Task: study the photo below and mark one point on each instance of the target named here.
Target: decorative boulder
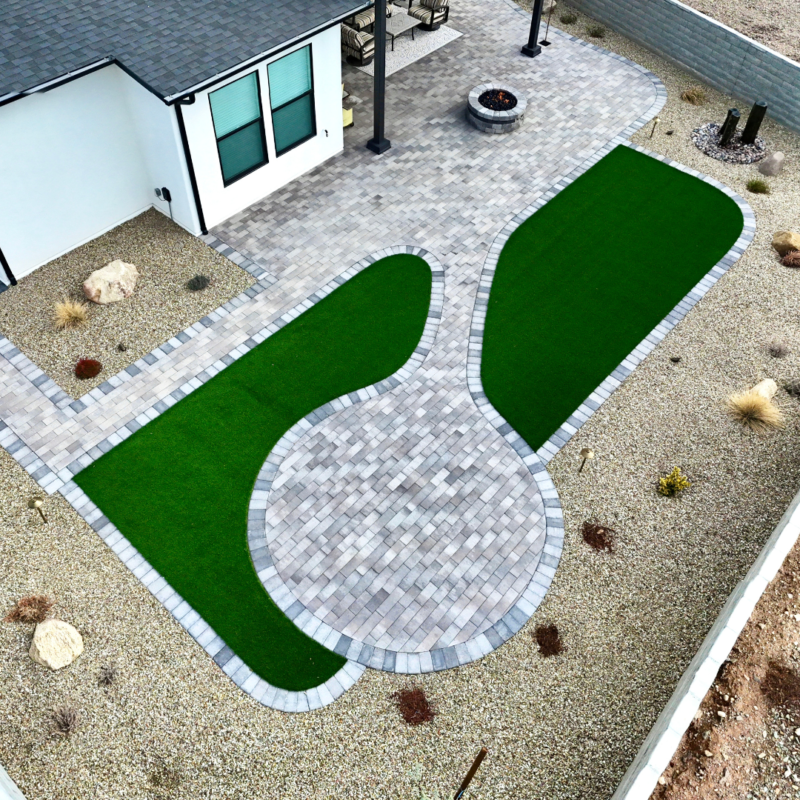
(55, 644)
(772, 164)
(112, 283)
(786, 241)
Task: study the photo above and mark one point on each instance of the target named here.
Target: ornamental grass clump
(568, 18)
(413, 705)
(673, 484)
(754, 410)
(757, 186)
(696, 95)
(65, 721)
(69, 314)
(87, 368)
(33, 608)
(596, 31)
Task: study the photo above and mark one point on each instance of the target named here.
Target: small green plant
(568, 18)
(596, 31)
(696, 95)
(198, 283)
(757, 186)
(164, 775)
(673, 484)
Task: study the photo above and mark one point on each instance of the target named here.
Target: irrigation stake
(471, 774)
(36, 502)
(586, 454)
(655, 122)
(544, 41)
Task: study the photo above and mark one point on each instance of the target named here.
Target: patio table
(398, 24)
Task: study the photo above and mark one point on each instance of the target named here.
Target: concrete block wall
(713, 52)
(665, 736)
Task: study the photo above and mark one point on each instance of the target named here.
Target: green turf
(582, 281)
(179, 488)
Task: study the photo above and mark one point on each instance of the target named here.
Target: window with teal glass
(239, 126)
(291, 92)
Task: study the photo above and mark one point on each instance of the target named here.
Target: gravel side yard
(161, 306)
(558, 728)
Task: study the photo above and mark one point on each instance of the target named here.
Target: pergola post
(532, 48)
(379, 143)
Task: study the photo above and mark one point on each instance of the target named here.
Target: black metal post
(757, 113)
(379, 143)
(532, 48)
(9, 274)
(729, 127)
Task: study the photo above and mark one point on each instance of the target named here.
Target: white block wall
(717, 54)
(220, 202)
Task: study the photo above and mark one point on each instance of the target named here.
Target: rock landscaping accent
(772, 164)
(706, 138)
(112, 283)
(55, 644)
(785, 242)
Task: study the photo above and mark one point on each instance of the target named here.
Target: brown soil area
(745, 741)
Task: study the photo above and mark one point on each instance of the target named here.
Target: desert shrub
(781, 687)
(413, 705)
(793, 387)
(755, 411)
(791, 259)
(33, 608)
(597, 536)
(549, 640)
(69, 314)
(596, 31)
(696, 95)
(164, 776)
(757, 186)
(198, 283)
(108, 674)
(777, 349)
(673, 484)
(122, 347)
(65, 721)
(87, 368)
(568, 18)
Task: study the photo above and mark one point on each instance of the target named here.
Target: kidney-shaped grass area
(582, 281)
(179, 488)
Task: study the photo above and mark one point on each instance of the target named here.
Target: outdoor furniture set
(358, 41)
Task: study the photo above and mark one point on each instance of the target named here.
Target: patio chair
(366, 19)
(430, 13)
(358, 46)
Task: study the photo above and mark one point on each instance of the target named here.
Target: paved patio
(449, 189)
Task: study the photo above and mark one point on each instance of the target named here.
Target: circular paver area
(405, 524)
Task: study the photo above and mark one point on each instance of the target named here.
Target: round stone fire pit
(495, 108)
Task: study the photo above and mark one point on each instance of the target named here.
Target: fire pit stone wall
(489, 121)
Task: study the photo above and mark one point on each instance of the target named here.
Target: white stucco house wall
(221, 102)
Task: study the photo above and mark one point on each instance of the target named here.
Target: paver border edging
(665, 736)
(259, 689)
(8, 789)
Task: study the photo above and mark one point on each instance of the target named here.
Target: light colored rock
(55, 644)
(786, 241)
(766, 388)
(112, 283)
(772, 164)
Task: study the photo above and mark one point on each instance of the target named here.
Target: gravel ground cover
(774, 23)
(592, 311)
(179, 488)
(753, 751)
(557, 728)
(161, 306)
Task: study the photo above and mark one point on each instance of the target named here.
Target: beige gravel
(559, 728)
(774, 23)
(161, 306)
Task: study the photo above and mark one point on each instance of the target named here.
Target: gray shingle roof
(171, 45)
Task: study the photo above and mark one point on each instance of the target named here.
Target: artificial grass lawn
(179, 488)
(582, 281)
